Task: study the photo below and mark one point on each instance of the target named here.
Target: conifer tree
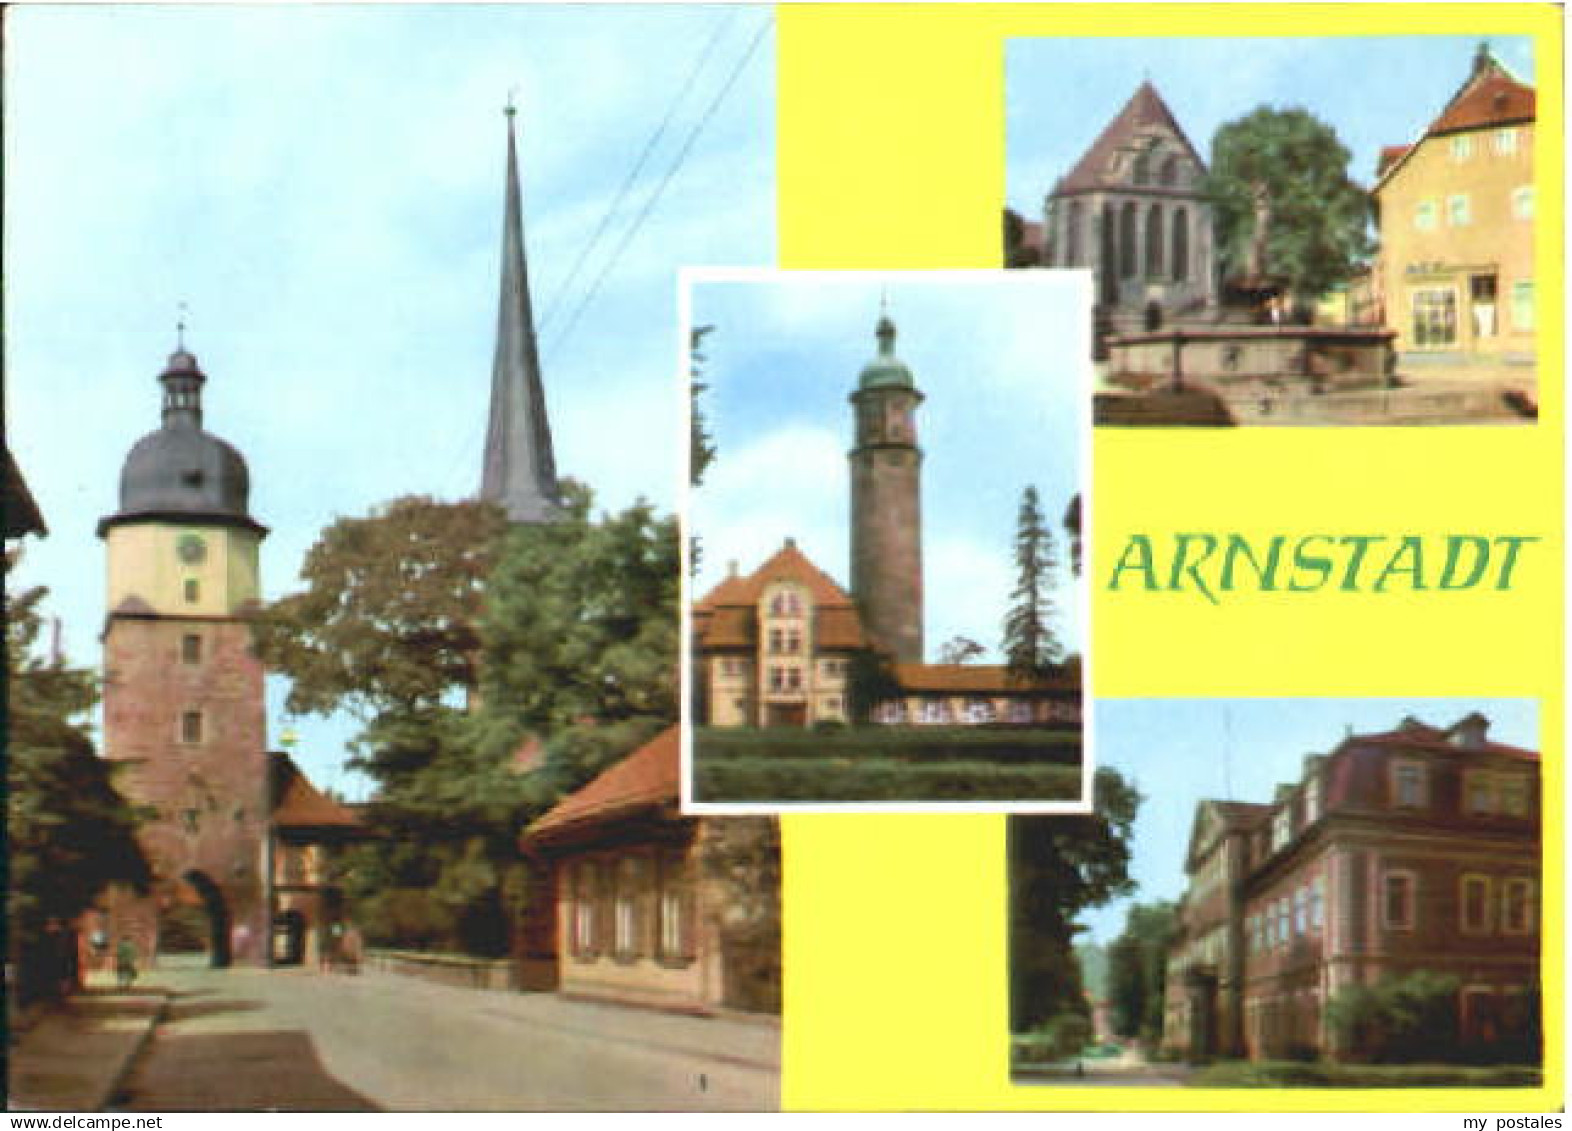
(1031, 647)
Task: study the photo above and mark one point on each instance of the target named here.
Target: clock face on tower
(192, 549)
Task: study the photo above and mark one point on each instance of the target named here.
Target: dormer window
(1282, 828)
(1514, 795)
(1312, 798)
(1409, 787)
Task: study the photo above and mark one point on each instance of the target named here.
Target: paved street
(248, 1039)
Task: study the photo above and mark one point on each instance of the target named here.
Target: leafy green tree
(1060, 867)
(69, 833)
(1138, 969)
(1016, 251)
(581, 622)
(389, 618)
(701, 443)
(1031, 647)
(1283, 202)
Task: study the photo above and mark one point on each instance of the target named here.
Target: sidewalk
(74, 1056)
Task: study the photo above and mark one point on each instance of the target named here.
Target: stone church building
(1132, 209)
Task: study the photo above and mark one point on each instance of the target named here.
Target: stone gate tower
(886, 503)
(183, 693)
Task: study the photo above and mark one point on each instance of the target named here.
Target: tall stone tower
(519, 471)
(886, 503)
(183, 695)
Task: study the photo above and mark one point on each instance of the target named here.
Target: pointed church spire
(519, 472)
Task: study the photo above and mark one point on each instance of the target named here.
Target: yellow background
(891, 155)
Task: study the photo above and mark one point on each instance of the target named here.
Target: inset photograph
(1287, 893)
(1340, 234)
(890, 478)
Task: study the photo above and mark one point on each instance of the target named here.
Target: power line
(671, 172)
(699, 62)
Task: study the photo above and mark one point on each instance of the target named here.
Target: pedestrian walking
(125, 963)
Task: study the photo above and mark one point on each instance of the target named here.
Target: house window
(626, 932)
(1301, 913)
(1435, 316)
(191, 727)
(934, 711)
(979, 711)
(1523, 203)
(1462, 147)
(1506, 142)
(1479, 794)
(793, 641)
(1514, 796)
(1517, 907)
(676, 931)
(1282, 920)
(891, 713)
(1457, 209)
(1474, 901)
(586, 896)
(777, 679)
(776, 638)
(193, 591)
(1317, 902)
(1281, 829)
(1408, 785)
(1425, 215)
(1019, 711)
(190, 649)
(793, 679)
(1397, 901)
(1523, 305)
(1312, 798)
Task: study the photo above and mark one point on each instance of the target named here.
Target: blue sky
(323, 187)
(998, 357)
(1373, 90)
(1182, 751)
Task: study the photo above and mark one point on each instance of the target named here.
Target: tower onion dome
(886, 371)
(181, 472)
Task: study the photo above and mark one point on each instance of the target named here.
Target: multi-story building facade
(1416, 849)
(1456, 266)
(774, 648)
(1133, 210)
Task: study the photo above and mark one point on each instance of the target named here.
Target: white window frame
(1400, 800)
(1506, 141)
(1523, 202)
(1425, 213)
(1458, 212)
(1462, 147)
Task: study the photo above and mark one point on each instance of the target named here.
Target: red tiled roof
(1428, 738)
(727, 628)
(787, 564)
(838, 627)
(1145, 109)
(979, 678)
(1490, 97)
(1390, 155)
(298, 804)
(644, 779)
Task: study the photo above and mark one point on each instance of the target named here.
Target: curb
(123, 1073)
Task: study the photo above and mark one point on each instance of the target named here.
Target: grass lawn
(886, 764)
(1295, 1074)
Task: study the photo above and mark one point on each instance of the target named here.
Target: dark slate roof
(519, 471)
(1145, 110)
(181, 471)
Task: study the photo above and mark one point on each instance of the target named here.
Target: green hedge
(1036, 747)
(1290, 1074)
(869, 779)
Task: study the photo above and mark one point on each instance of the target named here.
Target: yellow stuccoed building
(1455, 273)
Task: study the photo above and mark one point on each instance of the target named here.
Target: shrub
(826, 779)
(1399, 1020)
